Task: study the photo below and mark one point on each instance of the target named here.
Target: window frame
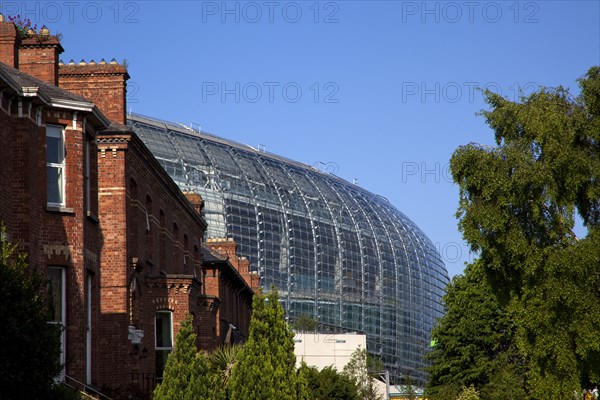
(87, 172)
(61, 166)
(62, 322)
(162, 349)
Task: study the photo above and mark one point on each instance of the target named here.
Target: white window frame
(156, 347)
(63, 319)
(61, 166)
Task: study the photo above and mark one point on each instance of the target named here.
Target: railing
(145, 381)
(86, 390)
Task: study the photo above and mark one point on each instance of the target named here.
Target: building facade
(119, 243)
(49, 186)
(336, 252)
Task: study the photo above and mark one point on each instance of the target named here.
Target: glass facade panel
(335, 251)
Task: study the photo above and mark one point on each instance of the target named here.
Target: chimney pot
(103, 61)
(82, 62)
(44, 32)
(71, 62)
(113, 61)
(2, 19)
(92, 62)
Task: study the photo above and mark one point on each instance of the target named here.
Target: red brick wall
(105, 84)
(232, 283)
(67, 238)
(8, 44)
(139, 207)
(40, 59)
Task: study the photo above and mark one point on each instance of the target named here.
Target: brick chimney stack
(105, 84)
(38, 56)
(9, 43)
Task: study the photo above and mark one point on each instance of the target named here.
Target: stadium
(336, 252)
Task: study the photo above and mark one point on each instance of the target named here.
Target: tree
(358, 369)
(409, 390)
(30, 352)
(475, 339)
(222, 361)
(468, 393)
(305, 323)
(187, 373)
(266, 368)
(328, 384)
(518, 202)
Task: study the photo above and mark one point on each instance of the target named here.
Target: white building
(322, 350)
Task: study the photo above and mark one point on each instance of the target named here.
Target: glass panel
(161, 361)
(163, 330)
(55, 291)
(54, 145)
(336, 252)
(54, 185)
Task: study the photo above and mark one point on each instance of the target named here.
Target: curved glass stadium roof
(335, 251)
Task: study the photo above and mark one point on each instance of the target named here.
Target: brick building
(48, 187)
(226, 293)
(121, 245)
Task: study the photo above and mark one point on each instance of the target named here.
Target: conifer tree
(29, 356)
(186, 375)
(266, 367)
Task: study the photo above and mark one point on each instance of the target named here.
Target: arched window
(196, 265)
(176, 244)
(163, 235)
(133, 214)
(186, 252)
(149, 232)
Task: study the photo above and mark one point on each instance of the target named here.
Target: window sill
(92, 217)
(59, 209)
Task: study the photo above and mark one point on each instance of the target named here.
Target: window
(57, 305)
(86, 174)
(164, 340)
(55, 165)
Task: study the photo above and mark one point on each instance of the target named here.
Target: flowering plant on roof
(24, 25)
(26, 29)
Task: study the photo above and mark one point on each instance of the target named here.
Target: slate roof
(211, 255)
(22, 80)
(32, 87)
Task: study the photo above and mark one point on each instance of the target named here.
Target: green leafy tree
(468, 393)
(305, 323)
(328, 384)
(358, 369)
(266, 368)
(518, 202)
(507, 382)
(187, 373)
(409, 390)
(30, 352)
(475, 339)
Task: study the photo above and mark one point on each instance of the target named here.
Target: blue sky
(379, 91)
